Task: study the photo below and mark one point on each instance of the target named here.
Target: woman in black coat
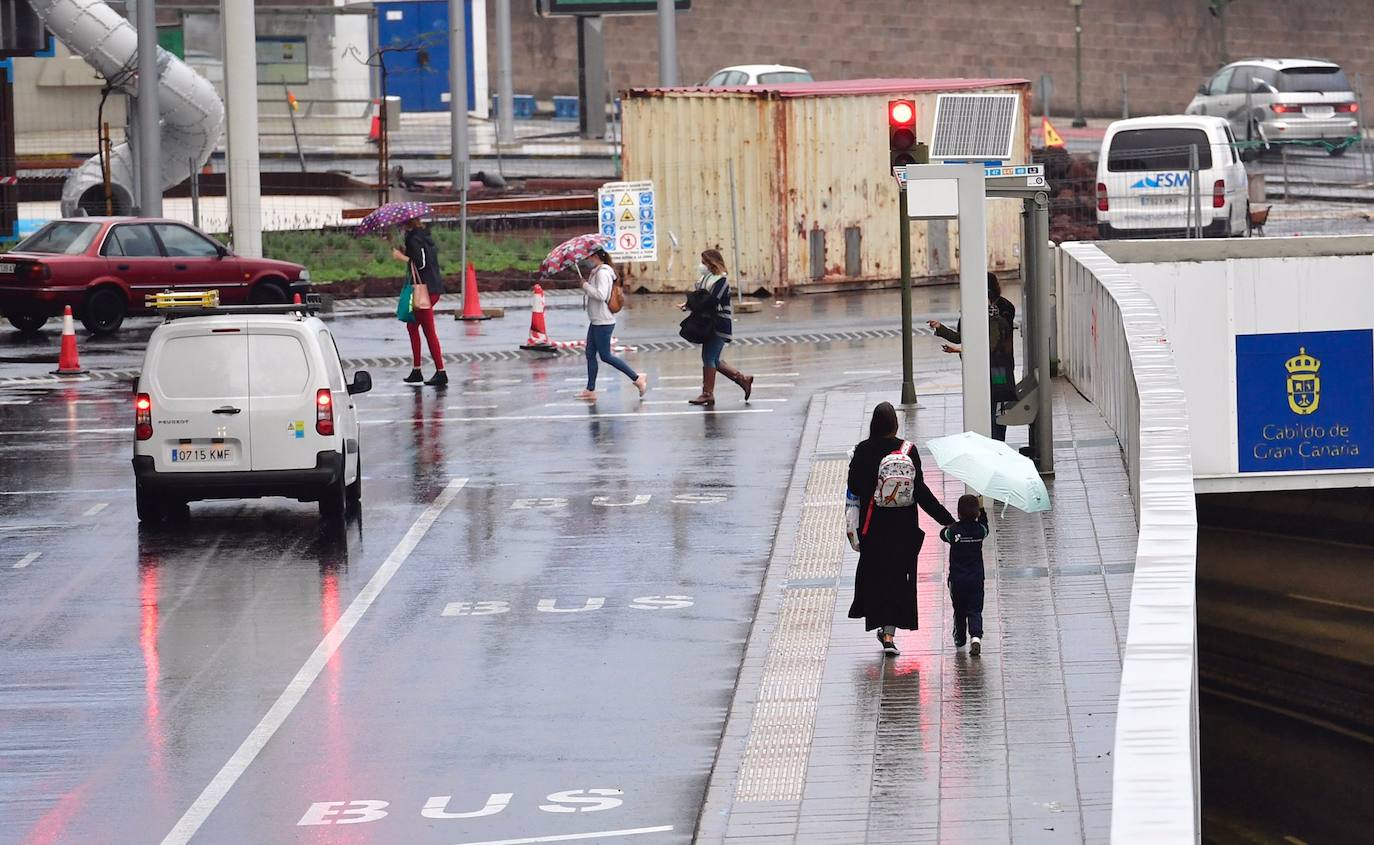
(885, 583)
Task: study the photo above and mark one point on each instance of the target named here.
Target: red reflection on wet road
(147, 643)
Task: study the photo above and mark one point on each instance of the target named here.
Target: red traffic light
(901, 113)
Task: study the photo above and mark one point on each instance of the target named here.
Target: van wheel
(27, 323)
(355, 490)
(104, 311)
(149, 506)
(268, 292)
(334, 501)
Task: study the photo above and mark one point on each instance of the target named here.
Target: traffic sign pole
(904, 238)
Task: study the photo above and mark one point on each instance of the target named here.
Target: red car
(103, 266)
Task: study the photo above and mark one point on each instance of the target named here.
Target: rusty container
(814, 197)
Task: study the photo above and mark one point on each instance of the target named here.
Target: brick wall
(1165, 46)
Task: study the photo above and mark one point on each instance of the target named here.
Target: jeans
(599, 344)
(711, 351)
(966, 594)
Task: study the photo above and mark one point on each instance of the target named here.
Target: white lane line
(471, 407)
(776, 375)
(486, 392)
(867, 372)
(253, 744)
(576, 417)
(569, 837)
(678, 378)
(28, 559)
(15, 401)
(774, 386)
(74, 492)
(679, 401)
(1332, 602)
(67, 432)
(95, 509)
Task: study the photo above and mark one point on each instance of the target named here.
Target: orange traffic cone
(539, 334)
(472, 307)
(68, 364)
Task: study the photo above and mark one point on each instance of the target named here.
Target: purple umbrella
(391, 214)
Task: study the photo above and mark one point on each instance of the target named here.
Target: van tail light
(324, 411)
(1348, 108)
(1102, 197)
(143, 416)
(1219, 194)
(1285, 108)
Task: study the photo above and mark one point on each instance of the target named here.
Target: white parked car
(1145, 178)
(243, 402)
(1269, 100)
(758, 75)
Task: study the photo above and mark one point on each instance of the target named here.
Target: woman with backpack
(716, 285)
(885, 477)
(602, 300)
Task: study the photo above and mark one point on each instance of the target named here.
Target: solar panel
(978, 127)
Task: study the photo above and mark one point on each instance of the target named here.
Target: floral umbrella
(572, 251)
(391, 214)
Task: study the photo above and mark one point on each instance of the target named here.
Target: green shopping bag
(405, 310)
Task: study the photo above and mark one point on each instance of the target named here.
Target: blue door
(417, 66)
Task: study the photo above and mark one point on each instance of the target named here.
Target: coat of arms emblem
(1304, 387)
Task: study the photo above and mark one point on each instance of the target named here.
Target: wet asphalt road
(545, 606)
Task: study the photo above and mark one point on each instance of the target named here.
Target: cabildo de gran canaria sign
(1305, 401)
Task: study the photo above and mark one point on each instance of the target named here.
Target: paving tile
(936, 746)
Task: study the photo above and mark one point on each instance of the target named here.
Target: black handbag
(700, 322)
(697, 327)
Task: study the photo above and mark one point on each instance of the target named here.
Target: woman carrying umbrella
(601, 324)
(428, 285)
(890, 538)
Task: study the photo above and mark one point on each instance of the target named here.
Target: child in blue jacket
(965, 539)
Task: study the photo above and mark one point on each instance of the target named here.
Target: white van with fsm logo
(1145, 178)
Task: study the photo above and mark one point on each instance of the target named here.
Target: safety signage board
(626, 213)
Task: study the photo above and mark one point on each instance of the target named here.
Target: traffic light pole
(904, 239)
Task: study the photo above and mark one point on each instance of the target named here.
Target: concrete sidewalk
(829, 742)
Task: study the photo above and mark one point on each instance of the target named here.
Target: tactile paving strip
(779, 745)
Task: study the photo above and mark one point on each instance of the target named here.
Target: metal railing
(1114, 349)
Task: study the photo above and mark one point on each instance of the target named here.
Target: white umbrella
(992, 468)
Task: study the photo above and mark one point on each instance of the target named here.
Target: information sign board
(625, 212)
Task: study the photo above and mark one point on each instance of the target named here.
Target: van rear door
(198, 385)
(1148, 177)
(283, 384)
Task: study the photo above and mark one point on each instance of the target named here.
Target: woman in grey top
(601, 324)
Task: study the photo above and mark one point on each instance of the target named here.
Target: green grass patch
(337, 256)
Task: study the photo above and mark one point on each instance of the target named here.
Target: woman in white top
(597, 288)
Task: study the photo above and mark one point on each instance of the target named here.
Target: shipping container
(814, 200)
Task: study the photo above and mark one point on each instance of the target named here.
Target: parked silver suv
(1272, 100)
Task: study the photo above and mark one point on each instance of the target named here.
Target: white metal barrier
(1114, 349)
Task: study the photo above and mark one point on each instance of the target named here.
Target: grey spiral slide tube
(192, 113)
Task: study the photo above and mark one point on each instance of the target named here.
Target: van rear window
(1316, 79)
(277, 365)
(208, 366)
(1165, 148)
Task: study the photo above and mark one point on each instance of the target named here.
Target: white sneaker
(586, 395)
(975, 646)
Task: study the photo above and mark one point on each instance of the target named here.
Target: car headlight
(304, 276)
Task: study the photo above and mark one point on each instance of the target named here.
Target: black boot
(415, 377)
(439, 379)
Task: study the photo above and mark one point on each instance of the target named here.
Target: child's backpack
(896, 482)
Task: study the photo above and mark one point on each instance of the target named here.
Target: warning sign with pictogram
(632, 221)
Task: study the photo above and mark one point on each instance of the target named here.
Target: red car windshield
(60, 237)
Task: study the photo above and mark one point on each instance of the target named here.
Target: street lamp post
(1078, 120)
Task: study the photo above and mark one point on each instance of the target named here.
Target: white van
(241, 402)
(1145, 181)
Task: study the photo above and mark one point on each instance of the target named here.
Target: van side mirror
(362, 383)
(1202, 89)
